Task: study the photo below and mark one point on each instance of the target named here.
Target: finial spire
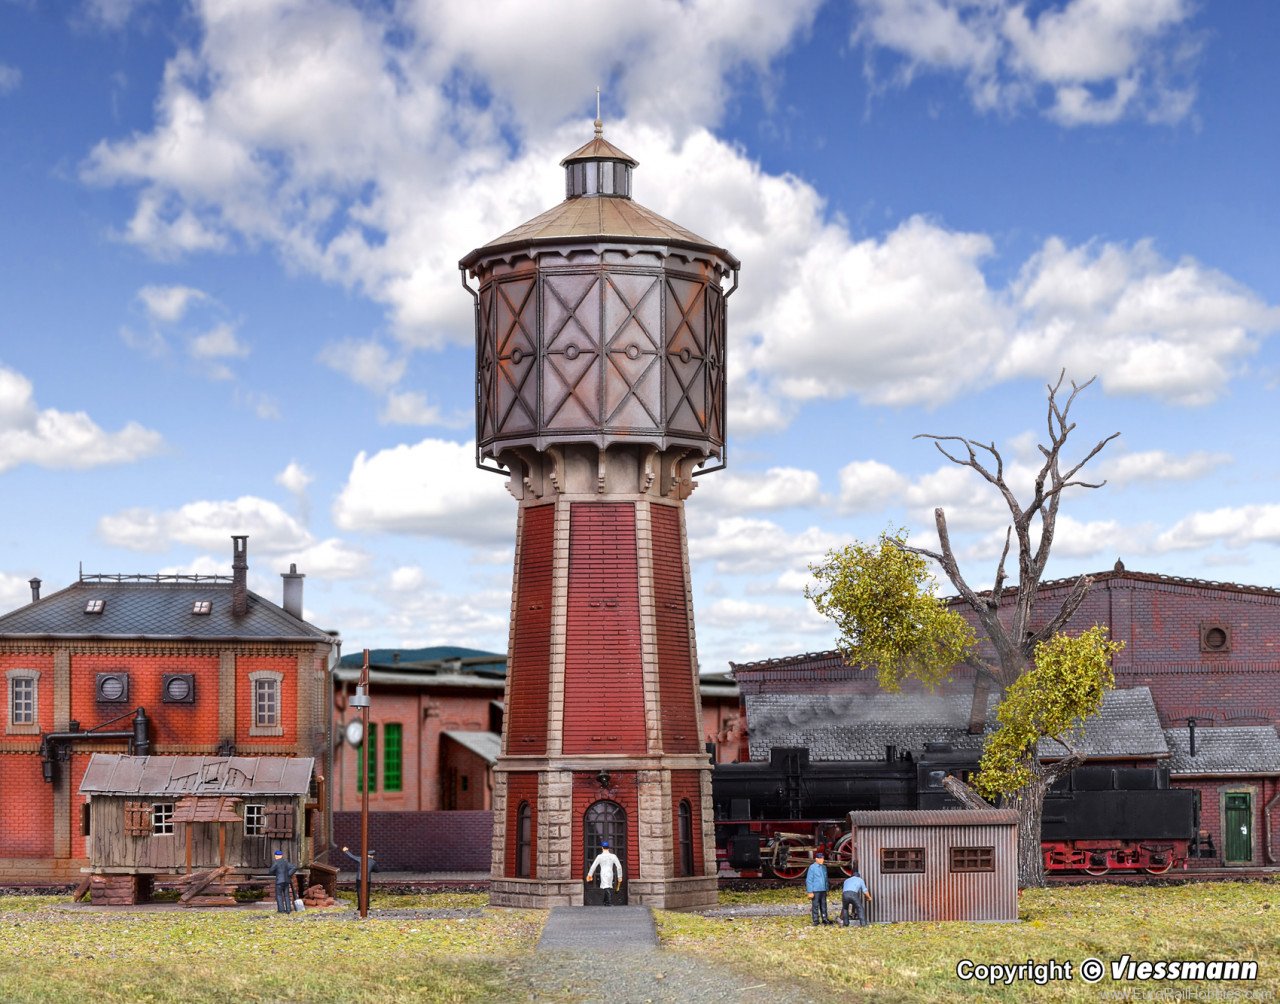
(599, 123)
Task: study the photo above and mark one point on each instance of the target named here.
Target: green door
(1238, 828)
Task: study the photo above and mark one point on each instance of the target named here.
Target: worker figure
(373, 867)
(610, 872)
(283, 869)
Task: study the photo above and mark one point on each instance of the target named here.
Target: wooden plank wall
(110, 847)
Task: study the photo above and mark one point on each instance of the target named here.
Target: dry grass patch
(51, 955)
(917, 962)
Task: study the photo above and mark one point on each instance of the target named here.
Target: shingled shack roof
(116, 774)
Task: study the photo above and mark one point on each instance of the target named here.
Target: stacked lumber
(316, 896)
(206, 888)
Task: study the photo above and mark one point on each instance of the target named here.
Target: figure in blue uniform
(283, 869)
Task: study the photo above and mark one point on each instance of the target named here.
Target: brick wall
(671, 606)
(603, 677)
(419, 841)
(526, 723)
(180, 725)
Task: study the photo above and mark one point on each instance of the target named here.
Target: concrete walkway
(604, 929)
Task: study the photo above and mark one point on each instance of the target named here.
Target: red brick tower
(600, 345)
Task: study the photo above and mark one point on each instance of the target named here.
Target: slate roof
(1227, 750)
(858, 727)
(154, 609)
(485, 744)
(116, 774)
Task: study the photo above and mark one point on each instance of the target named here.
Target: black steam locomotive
(774, 815)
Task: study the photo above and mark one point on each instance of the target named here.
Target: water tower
(600, 392)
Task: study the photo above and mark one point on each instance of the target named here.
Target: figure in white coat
(610, 872)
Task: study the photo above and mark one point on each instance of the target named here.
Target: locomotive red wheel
(1159, 869)
(843, 854)
(788, 862)
(1097, 871)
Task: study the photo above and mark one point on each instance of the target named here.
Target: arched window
(524, 840)
(684, 859)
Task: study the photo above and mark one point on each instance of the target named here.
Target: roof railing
(144, 577)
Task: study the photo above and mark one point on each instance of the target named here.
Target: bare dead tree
(1013, 638)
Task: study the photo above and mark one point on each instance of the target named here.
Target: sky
(230, 303)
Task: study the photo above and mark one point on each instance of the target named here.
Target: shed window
(137, 819)
(367, 767)
(973, 859)
(254, 820)
(161, 819)
(392, 756)
(897, 860)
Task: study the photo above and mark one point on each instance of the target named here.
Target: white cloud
(411, 408)
(1096, 61)
(407, 579)
(60, 439)
(1174, 330)
(209, 525)
(736, 615)
(759, 491)
(219, 342)
(113, 14)
(168, 304)
(868, 485)
(1232, 526)
(739, 545)
(431, 488)
(10, 78)
(340, 137)
(1160, 465)
(370, 364)
(294, 478)
(327, 559)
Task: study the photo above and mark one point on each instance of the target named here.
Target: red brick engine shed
(600, 340)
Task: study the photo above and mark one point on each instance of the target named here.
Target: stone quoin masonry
(600, 341)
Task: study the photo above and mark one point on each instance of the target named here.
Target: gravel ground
(640, 978)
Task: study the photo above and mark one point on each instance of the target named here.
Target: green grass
(917, 962)
(50, 955)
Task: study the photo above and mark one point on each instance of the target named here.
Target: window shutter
(280, 821)
(137, 819)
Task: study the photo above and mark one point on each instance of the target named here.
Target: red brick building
(435, 735)
(1207, 652)
(161, 664)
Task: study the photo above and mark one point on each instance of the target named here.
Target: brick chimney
(239, 576)
(35, 590)
(292, 602)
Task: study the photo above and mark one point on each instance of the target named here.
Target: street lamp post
(361, 700)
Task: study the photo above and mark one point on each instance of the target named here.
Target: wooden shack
(172, 815)
(939, 864)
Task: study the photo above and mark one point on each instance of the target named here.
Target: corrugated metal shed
(939, 864)
(116, 774)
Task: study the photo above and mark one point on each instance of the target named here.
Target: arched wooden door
(604, 820)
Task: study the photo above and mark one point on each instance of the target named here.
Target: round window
(1215, 638)
(111, 688)
(178, 688)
